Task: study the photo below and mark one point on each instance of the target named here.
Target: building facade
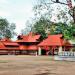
(31, 44)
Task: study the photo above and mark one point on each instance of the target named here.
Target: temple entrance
(43, 52)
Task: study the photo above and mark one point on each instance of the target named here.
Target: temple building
(8, 47)
(28, 43)
(54, 44)
(31, 44)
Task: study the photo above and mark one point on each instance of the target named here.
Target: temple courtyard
(34, 65)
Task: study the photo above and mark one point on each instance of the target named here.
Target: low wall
(67, 56)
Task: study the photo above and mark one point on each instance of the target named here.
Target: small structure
(54, 44)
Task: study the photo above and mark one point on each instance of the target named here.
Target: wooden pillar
(39, 51)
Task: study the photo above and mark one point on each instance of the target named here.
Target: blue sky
(17, 11)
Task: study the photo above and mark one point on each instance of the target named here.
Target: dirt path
(35, 65)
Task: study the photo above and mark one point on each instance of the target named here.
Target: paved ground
(35, 65)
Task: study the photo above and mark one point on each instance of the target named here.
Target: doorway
(43, 52)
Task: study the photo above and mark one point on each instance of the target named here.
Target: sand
(34, 65)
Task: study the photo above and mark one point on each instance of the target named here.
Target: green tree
(66, 30)
(6, 29)
(28, 28)
(43, 26)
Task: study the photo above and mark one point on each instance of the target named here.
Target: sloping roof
(55, 40)
(23, 47)
(52, 40)
(29, 38)
(11, 44)
(5, 40)
(31, 47)
(33, 38)
(65, 42)
(17, 48)
(2, 45)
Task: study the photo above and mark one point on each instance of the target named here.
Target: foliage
(6, 29)
(28, 28)
(12, 27)
(52, 11)
(41, 26)
(64, 29)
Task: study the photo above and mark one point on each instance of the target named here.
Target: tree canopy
(6, 29)
(44, 27)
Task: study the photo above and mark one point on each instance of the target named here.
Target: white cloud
(4, 14)
(4, 9)
(3, 1)
(19, 26)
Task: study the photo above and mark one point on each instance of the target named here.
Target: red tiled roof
(52, 40)
(8, 42)
(11, 43)
(65, 42)
(5, 40)
(29, 38)
(2, 45)
(20, 41)
(23, 47)
(9, 48)
(32, 47)
(33, 38)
